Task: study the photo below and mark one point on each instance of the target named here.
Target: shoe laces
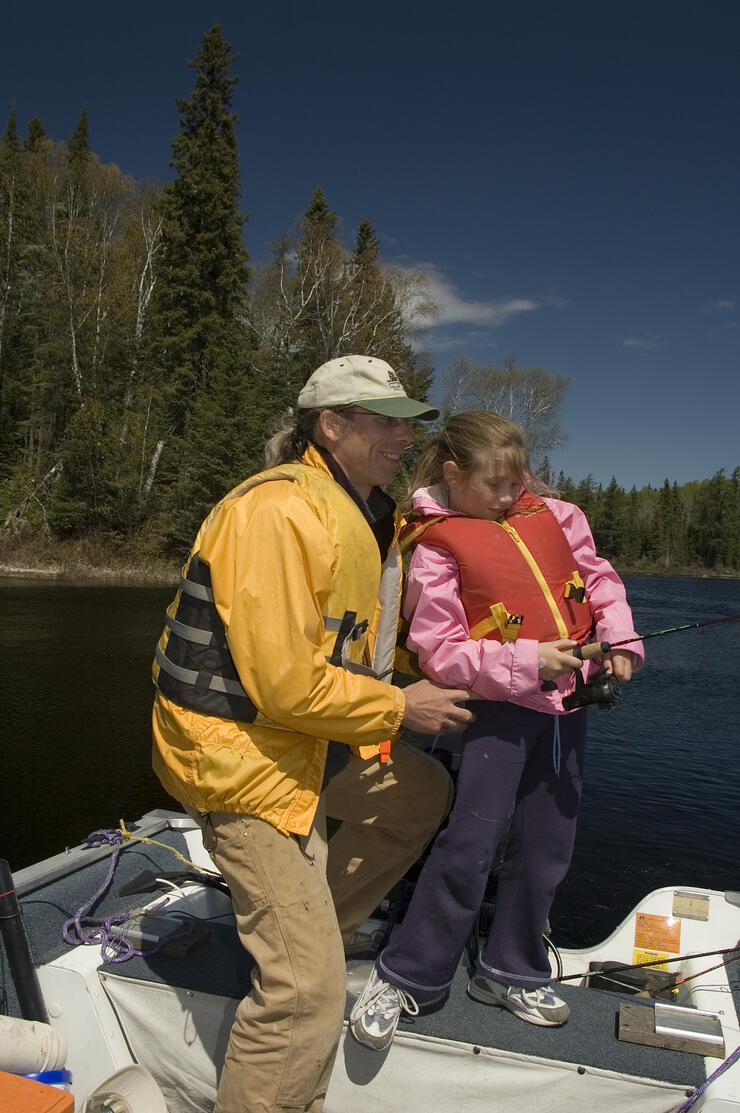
(543, 995)
(385, 999)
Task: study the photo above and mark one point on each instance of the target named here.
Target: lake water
(661, 804)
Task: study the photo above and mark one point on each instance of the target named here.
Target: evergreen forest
(144, 359)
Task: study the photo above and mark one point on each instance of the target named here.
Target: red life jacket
(518, 575)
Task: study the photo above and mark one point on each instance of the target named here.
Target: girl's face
(485, 492)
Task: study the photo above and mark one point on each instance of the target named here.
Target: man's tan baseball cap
(362, 381)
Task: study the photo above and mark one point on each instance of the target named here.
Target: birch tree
(318, 300)
(530, 396)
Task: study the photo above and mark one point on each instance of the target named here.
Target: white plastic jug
(29, 1046)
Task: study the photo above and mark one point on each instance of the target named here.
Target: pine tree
(669, 529)
(381, 328)
(633, 544)
(367, 244)
(565, 487)
(78, 148)
(10, 140)
(587, 495)
(608, 521)
(36, 134)
(714, 528)
(732, 523)
(197, 338)
(321, 286)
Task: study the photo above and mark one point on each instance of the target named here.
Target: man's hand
(434, 710)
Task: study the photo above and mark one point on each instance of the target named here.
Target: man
(276, 653)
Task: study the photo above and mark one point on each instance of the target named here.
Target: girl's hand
(554, 660)
(621, 663)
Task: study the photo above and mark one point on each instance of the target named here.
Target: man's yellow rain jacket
(289, 553)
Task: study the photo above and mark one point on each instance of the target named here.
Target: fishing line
(673, 958)
(596, 649)
(675, 629)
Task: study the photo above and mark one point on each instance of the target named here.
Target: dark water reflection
(662, 796)
(661, 803)
(75, 737)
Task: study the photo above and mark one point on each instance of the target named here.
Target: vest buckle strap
(503, 620)
(191, 633)
(575, 589)
(203, 682)
(196, 590)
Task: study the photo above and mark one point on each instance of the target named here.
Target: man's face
(369, 448)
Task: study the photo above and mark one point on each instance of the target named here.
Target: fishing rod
(598, 649)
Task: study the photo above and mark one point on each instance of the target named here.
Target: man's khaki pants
(294, 907)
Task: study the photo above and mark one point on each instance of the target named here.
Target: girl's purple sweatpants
(507, 765)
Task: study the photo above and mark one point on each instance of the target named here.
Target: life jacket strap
(193, 633)
(507, 624)
(348, 630)
(198, 680)
(413, 530)
(197, 591)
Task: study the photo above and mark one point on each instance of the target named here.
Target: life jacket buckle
(512, 627)
(575, 589)
(501, 619)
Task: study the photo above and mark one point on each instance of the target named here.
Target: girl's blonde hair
(468, 439)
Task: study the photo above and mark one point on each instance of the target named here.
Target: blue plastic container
(61, 1079)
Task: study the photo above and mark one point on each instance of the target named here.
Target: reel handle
(591, 650)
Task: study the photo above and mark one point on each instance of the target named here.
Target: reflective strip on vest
(190, 633)
(196, 669)
(198, 591)
(188, 676)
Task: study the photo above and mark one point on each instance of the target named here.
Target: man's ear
(329, 426)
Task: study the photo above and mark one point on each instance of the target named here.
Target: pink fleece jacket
(439, 631)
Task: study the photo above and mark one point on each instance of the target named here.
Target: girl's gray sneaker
(537, 1006)
(376, 1012)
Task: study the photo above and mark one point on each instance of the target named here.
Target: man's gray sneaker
(376, 1012)
(361, 941)
(537, 1006)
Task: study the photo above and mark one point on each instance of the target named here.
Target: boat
(138, 971)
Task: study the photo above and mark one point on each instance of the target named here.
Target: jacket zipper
(537, 573)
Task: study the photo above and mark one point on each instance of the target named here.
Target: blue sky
(567, 174)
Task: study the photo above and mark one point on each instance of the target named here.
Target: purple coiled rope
(715, 1074)
(85, 931)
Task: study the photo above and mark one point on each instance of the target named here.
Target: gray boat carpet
(220, 966)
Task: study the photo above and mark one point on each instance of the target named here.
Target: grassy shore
(88, 560)
(94, 560)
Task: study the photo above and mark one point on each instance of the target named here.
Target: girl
(503, 584)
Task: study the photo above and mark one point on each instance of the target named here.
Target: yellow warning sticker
(657, 933)
(657, 960)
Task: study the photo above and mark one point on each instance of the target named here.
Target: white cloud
(438, 342)
(723, 305)
(456, 309)
(647, 343)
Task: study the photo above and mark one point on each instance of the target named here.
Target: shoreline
(91, 575)
(131, 575)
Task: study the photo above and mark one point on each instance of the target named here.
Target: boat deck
(218, 965)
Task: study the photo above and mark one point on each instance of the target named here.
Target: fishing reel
(603, 690)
